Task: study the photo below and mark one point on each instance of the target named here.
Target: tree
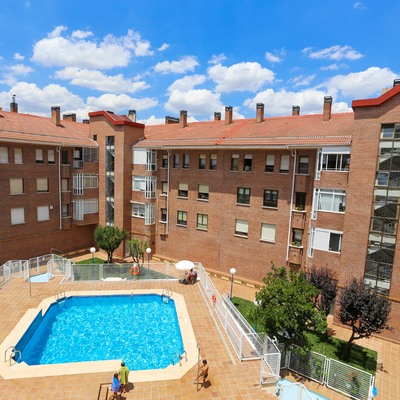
(109, 238)
(286, 309)
(137, 248)
(364, 310)
(322, 279)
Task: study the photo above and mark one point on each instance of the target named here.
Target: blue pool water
(290, 391)
(142, 330)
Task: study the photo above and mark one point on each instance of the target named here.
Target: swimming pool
(142, 330)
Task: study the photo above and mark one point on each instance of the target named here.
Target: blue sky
(160, 57)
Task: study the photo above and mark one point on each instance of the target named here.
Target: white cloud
(334, 67)
(196, 102)
(10, 77)
(362, 84)
(302, 80)
(336, 53)
(272, 58)
(152, 120)
(185, 64)
(19, 57)
(186, 83)
(75, 51)
(359, 6)
(81, 34)
(120, 103)
(281, 102)
(163, 47)
(217, 59)
(34, 100)
(245, 76)
(99, 81)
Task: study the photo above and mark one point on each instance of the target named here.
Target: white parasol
(184, 265)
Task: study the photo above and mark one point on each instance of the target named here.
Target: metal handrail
(14, 351)
(60, 294)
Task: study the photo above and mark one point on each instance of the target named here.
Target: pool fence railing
(293, 391)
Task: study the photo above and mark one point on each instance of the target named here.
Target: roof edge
(378, 100)
(109, 116)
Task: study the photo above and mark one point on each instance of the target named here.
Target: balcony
(162, 228)
(295, 254)
(88, 219)
(298, 219)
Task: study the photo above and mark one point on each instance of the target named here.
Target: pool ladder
(14, 351)
(166, 295)
(179, 356)
(60, 295)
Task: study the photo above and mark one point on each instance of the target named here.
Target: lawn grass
(331, 347)
(89, 261)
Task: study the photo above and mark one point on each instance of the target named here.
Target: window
(203, 192)
(151, 187)
(17, 216)
(202, 161)
(64, 185)
(139, 183)
(243, 195)
(138, 210)
(213, 162)
(333, 159)
(139, 156)
(186, 161)
(297, 237)
(329, 200)
(270, 198)
(18, 155)
(151, 162)
(389, 131)
(50, 157)
(110, 140)
(90, 154)
(90, 181)
(300, 201)
(82, 207)
(176, 160)
(183, 190)
(284, 166)
(43, 213)
(327, 240)
(65, 212)
(164, 189)
(270, 163)
(3, 155)
(248, 162)
(241, 227)
(163, 215)
(64, 157)
(42, 185)
(39, 156)
(303, 165)
(268, 232)
(164, 162)
(16, 186)
(150, 214)
(235, 162)
(182, 218)
(202, 221)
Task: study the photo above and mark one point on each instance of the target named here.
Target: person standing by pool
(115, 386)
(123, 376)
(203, 373)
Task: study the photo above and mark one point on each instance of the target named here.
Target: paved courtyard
(229, 378)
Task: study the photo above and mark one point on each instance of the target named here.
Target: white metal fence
(344, 378)
(293, 391)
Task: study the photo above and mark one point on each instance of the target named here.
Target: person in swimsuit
(203, 373)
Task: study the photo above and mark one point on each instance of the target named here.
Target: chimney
(70, 117)
(85, 121)
(183, 119)
(295, 110)
(13, 105)
(326, 116)
(228, 115)
(55, 115)
(171, 120)
(217, 116)
(132, 115)
(260, 112)
(396, 82)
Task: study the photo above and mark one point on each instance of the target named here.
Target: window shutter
(268, 232)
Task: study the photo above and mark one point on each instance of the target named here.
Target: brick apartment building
(302, 190)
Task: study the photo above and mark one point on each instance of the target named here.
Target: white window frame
(151, 160)
(284, 165)
(338, 200)
(138, 210)
(203, 192)
(39, 156)
(51, 157)
(339, 152)
(268, 232)
(184, 214)
(242, 228)
(42, 185)
(200, 224)
(139, 156)
(321, 240)
(90, 154)
(43, 213)
(138, 183)
(3, 155)
(16, 186)
(84, 206)
(17, 216)
(151, 187)
(150, 214)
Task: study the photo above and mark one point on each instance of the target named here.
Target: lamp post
(148, 251)
(93, 250)
(232, 271)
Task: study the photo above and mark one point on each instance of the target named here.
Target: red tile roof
(31, 128)
(378, 100)
(297, 131)
(115, 119)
